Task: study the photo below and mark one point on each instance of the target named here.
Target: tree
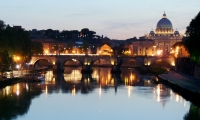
(193, 114)
(2, 25)
(5, 62)
(36, 48)
(192, 42)
(17, 42)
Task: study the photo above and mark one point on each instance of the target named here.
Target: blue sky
(116, 19)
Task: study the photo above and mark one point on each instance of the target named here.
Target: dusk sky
(116, 19)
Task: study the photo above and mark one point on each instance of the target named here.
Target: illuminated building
(158, 42)
(105, 50)
(164, 36)
(143, 47)
(179, 50)
(52, 46)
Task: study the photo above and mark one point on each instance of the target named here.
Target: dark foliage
(192, 42)
(16, 41)
(5, 62)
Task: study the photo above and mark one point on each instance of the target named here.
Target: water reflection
(72, 81)
(15, 100)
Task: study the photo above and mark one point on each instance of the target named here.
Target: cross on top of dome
(164, 15)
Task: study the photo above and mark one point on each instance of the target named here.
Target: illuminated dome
(164, 26)
(164, 23)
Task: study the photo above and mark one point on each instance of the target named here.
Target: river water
(99, 96)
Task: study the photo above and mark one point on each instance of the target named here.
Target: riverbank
(185, 85)
(18, 76)
(9, 81)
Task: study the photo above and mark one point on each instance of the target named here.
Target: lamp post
(17, 60)
(18, 66)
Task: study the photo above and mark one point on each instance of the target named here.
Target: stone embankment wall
(187, 66)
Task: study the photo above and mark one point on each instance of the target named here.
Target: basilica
(158, 42)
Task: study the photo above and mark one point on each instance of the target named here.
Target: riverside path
(183, 80)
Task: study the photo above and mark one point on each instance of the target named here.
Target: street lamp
(17, 59)
(18, 66)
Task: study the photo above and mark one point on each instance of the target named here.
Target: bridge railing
(71, 55)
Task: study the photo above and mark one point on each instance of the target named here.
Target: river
(99, 96)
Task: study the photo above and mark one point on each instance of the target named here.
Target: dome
(176, 33)
(164, 23)
(106, 38)
(152, 33)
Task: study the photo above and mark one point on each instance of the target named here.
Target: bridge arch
(165, 63)
(103, 61)
(74, 61)
(49, 62)
(132, 62)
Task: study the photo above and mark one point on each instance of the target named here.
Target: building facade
(164, 36)
(105, 50)
(143, 47)
(158, 42)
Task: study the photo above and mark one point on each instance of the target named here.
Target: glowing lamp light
(17, 58)
(112, 62)
(173, 64)
(86, 63)
(17, 66)
(74, 60)
(46, 51)
(159, 52)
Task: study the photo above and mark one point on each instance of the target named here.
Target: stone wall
(187, 66)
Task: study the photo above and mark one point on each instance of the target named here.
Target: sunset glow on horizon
(116, 19)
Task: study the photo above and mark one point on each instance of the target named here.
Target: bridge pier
(116, 64)
(115, 69)
(86, 65)
(86, 69)
(57, 68)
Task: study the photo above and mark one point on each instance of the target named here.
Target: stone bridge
(87, 61)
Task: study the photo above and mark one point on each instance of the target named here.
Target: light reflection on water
(98, 96)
